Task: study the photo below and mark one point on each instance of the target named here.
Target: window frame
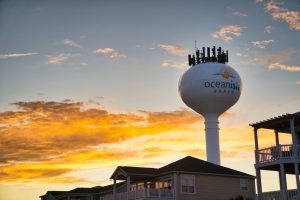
(244, 183)
(187, 176)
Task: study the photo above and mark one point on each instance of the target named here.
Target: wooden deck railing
(278, 195)
(277, 152)
(142, 194)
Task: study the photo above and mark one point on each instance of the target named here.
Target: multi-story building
(186, 179)
(283, 158)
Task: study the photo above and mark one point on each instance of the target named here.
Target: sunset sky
(89, 85)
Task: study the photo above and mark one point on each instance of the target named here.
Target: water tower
(210, 87)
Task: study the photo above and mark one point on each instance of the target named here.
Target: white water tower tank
(210, 87)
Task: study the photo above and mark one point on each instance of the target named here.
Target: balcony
(143, 194)
(277, 195)
(277, 153)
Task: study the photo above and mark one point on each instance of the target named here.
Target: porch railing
(142, 194)
(278, 195)
(277, 152)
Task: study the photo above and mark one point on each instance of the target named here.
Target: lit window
(244, 185)
(187, 183)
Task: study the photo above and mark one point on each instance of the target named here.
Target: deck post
(283, 182)
(277, 138)
(278, 149)
(257, 170)
(258, 181)
(256, 145)
(128, 186)
(294, 138)
(295, 154)
(296, 166)
(115, 189)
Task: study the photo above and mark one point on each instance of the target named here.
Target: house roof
(280, 123)
(137, 172)
(195, 165)
(96, 189)
(53, 193)
(56, 193)
(188, 164)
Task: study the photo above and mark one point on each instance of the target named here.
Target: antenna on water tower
(210, 87)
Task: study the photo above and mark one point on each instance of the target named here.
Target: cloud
(60, 136)
(228, 32)
(282, 14)
(267, 59)
(241, 14)
(268, 29)
(71, 43)
(58, 59)
(15, 55)
(283, 67)
(104, 50)
(112, 53)
(174, 64)
(174, 49)
(50, 141)
(262, 44)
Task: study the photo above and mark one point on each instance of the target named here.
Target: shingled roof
(188, 164)
(96, 189)
(195, 165)
(280, 123)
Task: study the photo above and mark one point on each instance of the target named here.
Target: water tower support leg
(212, 139)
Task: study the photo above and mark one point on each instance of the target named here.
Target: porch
(278, 195)
(284, 153)
(142, 194)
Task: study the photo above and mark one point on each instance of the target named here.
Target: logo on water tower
(225, 74)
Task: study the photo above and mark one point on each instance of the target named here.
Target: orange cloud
(282, 14)
(64, 132)
(58, 59)
(49, 142)
(262, 44)
(174, 49)
(110, 52)
(174, 64)
(289, 68)
(228, 32)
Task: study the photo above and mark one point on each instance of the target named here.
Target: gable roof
(56, 193)
(96, 189)
(188, 164)
(280, 123)
(134, 171)
(195, 165)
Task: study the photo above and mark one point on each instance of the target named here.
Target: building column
(175, 186)
(257, 170)
(276, 138)
(115, 189)
(296, 167)
(294, 138)
(128, 187)
(279, 155)
(295, 154)
(258, 183)
(283, 182)
(256, 145)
